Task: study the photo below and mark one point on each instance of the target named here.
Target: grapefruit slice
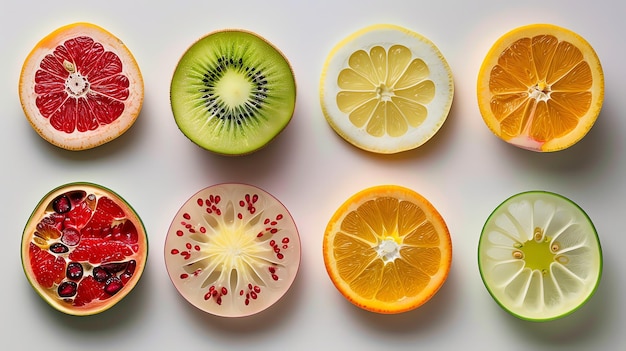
(83, 248)
(80, 87)
(541, 87)
(539, 256)
(232, 250)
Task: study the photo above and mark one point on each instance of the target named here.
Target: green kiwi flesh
(232, 92)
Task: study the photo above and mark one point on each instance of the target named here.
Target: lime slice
(539, 256)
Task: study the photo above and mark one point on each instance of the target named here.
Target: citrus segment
(539, 256)
(386, 89)
(80, 87)
(541, 87)
(83, 248)
(387, 249)
(232, 250)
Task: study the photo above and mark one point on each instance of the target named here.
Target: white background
(464, 170)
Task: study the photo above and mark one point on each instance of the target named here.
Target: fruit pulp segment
(537, 257)
(232, 92)
(81, 86)
(541, 87)
(229, 252)
(385, 91)
(83, 249)
(387, 249)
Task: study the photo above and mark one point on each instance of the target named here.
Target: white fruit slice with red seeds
(232, 250)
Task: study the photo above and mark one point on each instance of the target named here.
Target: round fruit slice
(232, 250)
(84, 248)
(387, 249)
(232, 92)
(80, 87)
(386, 89)
(541, 87)
(539, 256)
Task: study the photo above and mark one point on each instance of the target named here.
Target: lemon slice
(386, 89)
(539, 256)
(387, 249)
(541, 87)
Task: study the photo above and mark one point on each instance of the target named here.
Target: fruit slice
(232, 250)
(539, 256)
(386, 89)
(387, 249)
(80, 87)
(232, 92)
(541, 87)
(83, 248)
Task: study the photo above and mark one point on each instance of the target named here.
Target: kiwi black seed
(232, 92)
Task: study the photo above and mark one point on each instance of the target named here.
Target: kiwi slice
(232, 92)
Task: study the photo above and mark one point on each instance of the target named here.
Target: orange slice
(387, 249)
(541, 87)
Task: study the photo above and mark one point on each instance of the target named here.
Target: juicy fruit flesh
(540, 257)
(385, 91)
(232, 92)
(82, 250)
(541, 88)
(81, 86)
(390, 255)
(391, 261)
(232, 252)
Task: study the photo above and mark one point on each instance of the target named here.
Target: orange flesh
(541, 88)
(389, 254)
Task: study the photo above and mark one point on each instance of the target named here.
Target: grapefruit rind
(228, 259)
(41, 210)
(431, 216)
(387, 35)
(575, 260)
(104, 133)
(524, 141)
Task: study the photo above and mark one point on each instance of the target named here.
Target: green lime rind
(258, 62)
(26, 236)
(539, 256)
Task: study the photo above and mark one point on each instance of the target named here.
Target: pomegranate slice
(232, 250)
(84, 248)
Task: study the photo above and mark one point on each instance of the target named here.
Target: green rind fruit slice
(232, 250)
(83, 248)
(539, 256)
(232, 92)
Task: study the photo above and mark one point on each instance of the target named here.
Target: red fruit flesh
(80, 87)
(85, 245)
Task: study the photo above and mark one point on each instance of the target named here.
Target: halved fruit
(83, 248)
(232, 250)
(386, 89)
(541, 87)
(539, 256)
(80, 87)
(232, 92)
(387, 249)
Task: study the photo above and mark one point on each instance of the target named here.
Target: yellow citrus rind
(386, 89)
